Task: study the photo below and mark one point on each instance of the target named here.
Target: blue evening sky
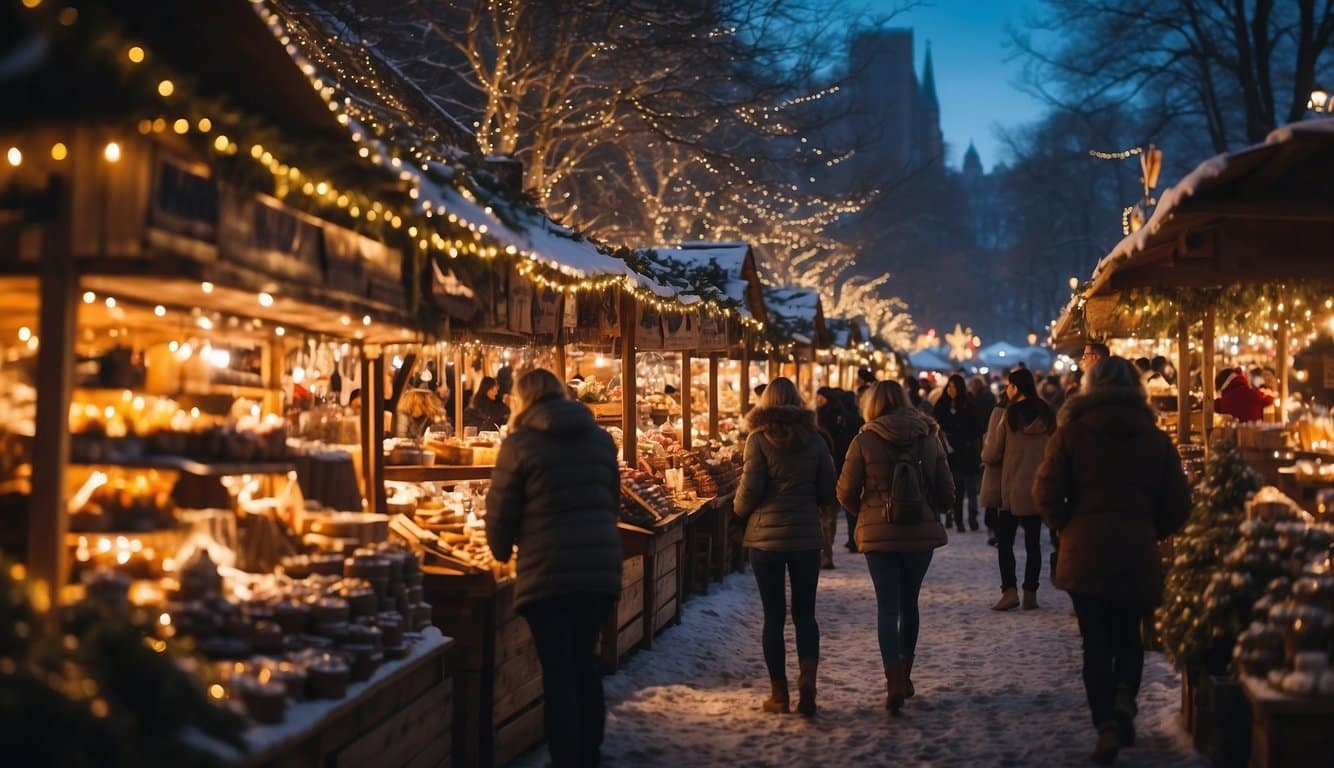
(975, 73)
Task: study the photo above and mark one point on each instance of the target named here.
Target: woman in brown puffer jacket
(1112, 487)
(787, 478)
(1015, 446)
(898, 550)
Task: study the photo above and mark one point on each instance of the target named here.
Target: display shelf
(439, 473)
(193, 467)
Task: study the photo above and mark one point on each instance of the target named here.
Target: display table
(402, 716)
(1288, 730)
(497, 674)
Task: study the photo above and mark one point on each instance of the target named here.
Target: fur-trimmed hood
(786, 426)
(903, 426)
(1119, 410)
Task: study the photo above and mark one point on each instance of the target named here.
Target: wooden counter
(1288, 730)
(498, 677)
(402, 716)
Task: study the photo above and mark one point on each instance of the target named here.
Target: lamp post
(1320, 101)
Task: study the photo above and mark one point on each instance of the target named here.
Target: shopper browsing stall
(554, 494)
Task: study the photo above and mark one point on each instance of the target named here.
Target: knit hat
(866, 375)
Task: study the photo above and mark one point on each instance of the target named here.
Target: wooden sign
(520, 302)
(569, 311)
(277, 243)
(648, 329)
(680, 330)
(713, 330)
(546, 311)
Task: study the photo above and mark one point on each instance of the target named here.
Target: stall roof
(1262, 214)
(926, 360)
(434, 152)
(846, 333)
(725, 272)
(796, 314)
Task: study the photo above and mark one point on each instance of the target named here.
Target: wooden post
(745, 374)
(1206, 373)
(1183, 375)
(629, 385)
(372, 426)
(775, 367)
(459, 404)
(562, 365)
(48, 516)
(713, 395)
(1283, 367)
(687, 412)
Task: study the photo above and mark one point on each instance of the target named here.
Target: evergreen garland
(1189, 632)
(91, 686)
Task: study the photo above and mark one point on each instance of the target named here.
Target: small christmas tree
(1210, 533)
(90, 686)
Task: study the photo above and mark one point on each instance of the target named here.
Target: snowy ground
(993, 689)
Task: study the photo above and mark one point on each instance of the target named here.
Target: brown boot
(806, 687)
(894, 687)
(908, 689)
(1009, 600)
(1109, 744)
(777, 702)
(1030, 600)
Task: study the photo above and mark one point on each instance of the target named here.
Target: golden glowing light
(166, 88)
(111, 152)
(59, 151)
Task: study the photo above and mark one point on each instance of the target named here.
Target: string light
(1122, 155)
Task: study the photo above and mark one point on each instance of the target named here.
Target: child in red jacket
(1238, 398)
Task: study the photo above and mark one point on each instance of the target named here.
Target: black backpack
(906, 502)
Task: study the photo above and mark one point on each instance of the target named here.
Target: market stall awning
(927, 360)
(845, 333)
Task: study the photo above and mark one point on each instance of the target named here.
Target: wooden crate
(1287, 730)
(663, 588)
(624, 629)
(499, 680)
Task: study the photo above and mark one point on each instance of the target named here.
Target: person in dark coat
(963, 432)
(486, 411)
(898, 551)
(841, 422)
(554, 493)
(788, 476)
(1015, 446)
(853, 415)
(1111, 485)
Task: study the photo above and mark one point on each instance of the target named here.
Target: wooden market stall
(1240, 249)
(796, 332)
(167, 269)
(1240, 244)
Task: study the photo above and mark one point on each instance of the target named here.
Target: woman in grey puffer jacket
(787, 478)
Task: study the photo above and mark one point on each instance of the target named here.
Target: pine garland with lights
(90, 686)
(1185, 622)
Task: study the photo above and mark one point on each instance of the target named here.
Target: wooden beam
(1206, 372)
(713, 396)
(1183, 374)
(48, 516)
(459, 399)
(687, 412)
(629, 385)
(1284, 368)
(745, 373)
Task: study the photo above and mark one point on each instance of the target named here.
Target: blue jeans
(803, 568)
(898, 580)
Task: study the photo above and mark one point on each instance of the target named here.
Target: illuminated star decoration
(960, 341)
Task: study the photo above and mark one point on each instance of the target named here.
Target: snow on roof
(707, 270)
(793, 303)
(1211, 173)
(397, 100)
